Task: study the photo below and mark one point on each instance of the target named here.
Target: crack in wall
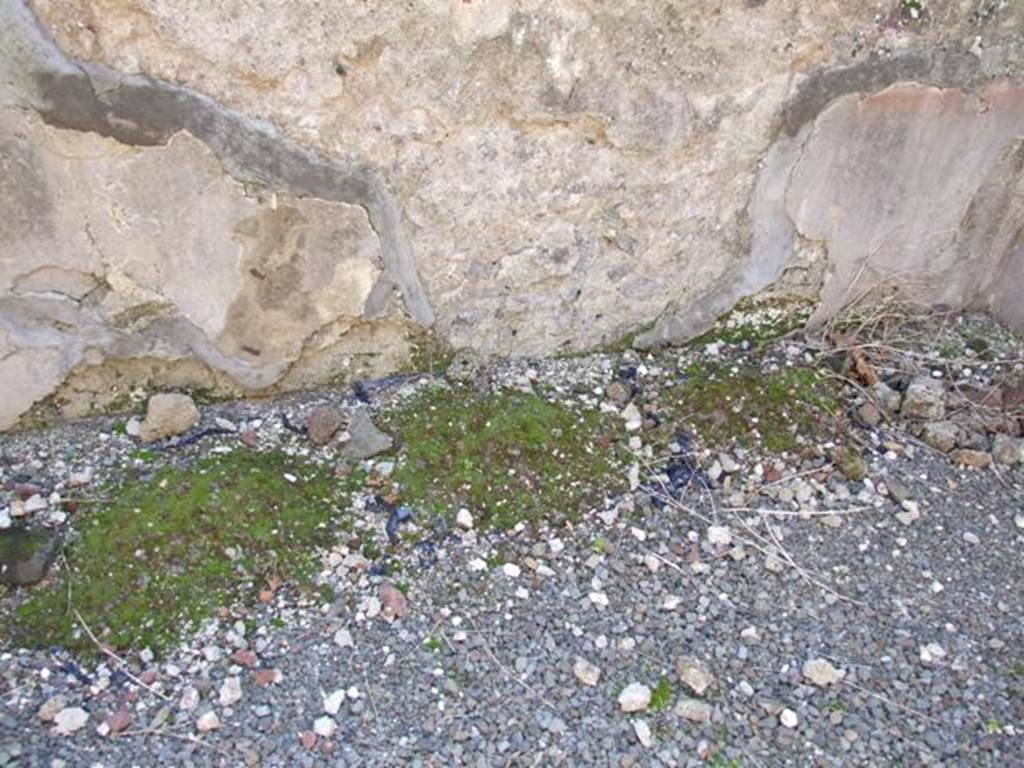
(139, 110)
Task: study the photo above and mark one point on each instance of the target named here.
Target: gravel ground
(515, 649)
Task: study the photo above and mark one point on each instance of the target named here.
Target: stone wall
(252, 196)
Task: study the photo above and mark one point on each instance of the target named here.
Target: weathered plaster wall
(248, 195)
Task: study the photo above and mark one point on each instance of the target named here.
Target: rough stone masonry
(244, 196)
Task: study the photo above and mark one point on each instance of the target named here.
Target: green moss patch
(757, 322)
(507, 456)
(165, 553)
(748, 406)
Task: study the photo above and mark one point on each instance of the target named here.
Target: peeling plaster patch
(70, 283)
(140, 111)
(335, 250)
(894, 135)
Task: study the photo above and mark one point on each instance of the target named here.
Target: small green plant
(993, 726)
(432, 644)
(600, 545)
(370, 549)
(837, 705)
(496, 560)
(661, 696)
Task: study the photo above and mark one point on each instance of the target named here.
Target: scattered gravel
(799, 615)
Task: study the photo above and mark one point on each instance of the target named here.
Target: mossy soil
(155, 556)
(508, 457)
(727, 404)
(159, 555)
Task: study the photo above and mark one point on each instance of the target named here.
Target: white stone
(230, 691)
(932, 653)
(325, 726)
(189, 698)
(633, 476)
(208, 721)
(35, 503)
(788, 718)
(464, 519)
(83, 477)
(671, 602)
(168, 414)
(585, 672)
(694, 674)
(643, 733)
(635, 697)
(333, 702)
(631, 415)
(511, 570)
(70, 720)
(821, 672)
(694, 710)
(720, 535)
(600, 599)
(477, 564)
(371, 606)
(5, 518)
(343, 638)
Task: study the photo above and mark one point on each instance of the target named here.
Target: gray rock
(694, 709)
(1008, 450)
(365, 439)
(973, 440)
(585, 672)
(821, 672)
(69, 720)
(850, 463)
(634, 697)
(694, 674)
(323, 423)
(26, 555)
(970, 458)
(887, 398)
(51, 707)
(940, 435)
(168, 414)
(925, 400)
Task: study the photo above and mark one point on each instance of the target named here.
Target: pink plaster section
(915, 186)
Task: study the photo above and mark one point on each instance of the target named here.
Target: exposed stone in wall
(274, 198)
